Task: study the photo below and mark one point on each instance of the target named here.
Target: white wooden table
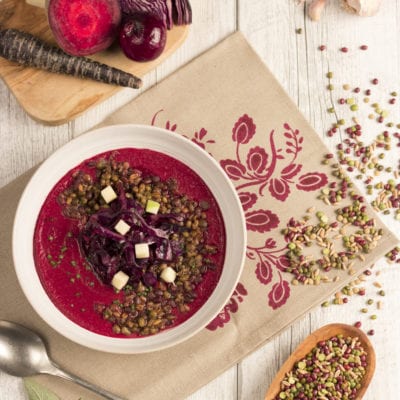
(270, 27)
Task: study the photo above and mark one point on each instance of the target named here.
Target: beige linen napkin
(229, 103)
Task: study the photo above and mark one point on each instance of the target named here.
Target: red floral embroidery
(247, 199)
(233, 169)
(168, 125)
(279, 188)
(199, 137)
(255, 166)
(261, 220)
(290, 171)
(233, 305)
(268, 257)
(257, 160)
(279, 293)
(244, 130)
(312, 181)
(259, 168)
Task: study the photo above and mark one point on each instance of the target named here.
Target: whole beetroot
(142, 36)
(84, 27)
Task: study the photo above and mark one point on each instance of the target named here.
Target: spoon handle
(57, 371)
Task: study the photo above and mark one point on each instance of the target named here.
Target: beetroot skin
(84, 27)
(142, 36)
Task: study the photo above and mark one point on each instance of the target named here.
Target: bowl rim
(117, 137)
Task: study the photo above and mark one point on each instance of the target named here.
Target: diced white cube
(122, 227)
(152, 207)
(108, 194)
(168, 275)
(142, 250)
(119, 280)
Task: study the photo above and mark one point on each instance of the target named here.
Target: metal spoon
(23, 353)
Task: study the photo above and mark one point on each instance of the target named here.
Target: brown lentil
(146, 310)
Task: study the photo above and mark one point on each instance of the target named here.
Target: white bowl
(87, 146)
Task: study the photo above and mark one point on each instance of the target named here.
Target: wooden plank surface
(301, 68)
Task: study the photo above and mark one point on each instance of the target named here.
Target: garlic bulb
(315, 9)
(364, 8)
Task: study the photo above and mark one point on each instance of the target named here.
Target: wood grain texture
(301, 68)
(56, 99)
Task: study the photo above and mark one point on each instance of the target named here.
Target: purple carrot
(28, 50)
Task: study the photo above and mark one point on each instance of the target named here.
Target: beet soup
(129, 243)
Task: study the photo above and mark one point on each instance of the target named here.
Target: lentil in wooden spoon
(335, 359)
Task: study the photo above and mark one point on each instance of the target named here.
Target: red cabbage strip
(169, 11)
(182, 12)
(170, 20)
(159, 233)
(109, 252)
(154, 7)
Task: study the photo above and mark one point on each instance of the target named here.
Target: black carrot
(28, 50)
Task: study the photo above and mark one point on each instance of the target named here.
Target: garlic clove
(364, 8)
(315, 9)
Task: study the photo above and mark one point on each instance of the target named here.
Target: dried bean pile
(334, 369)
(147, 309)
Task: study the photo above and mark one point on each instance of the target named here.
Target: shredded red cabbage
(178, 12)
(109, 252)
(182, 12)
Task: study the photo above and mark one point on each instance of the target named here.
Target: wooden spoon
(311, 341)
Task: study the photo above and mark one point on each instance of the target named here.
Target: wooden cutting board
(55, 99)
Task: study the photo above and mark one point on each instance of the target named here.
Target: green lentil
(155, 307)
